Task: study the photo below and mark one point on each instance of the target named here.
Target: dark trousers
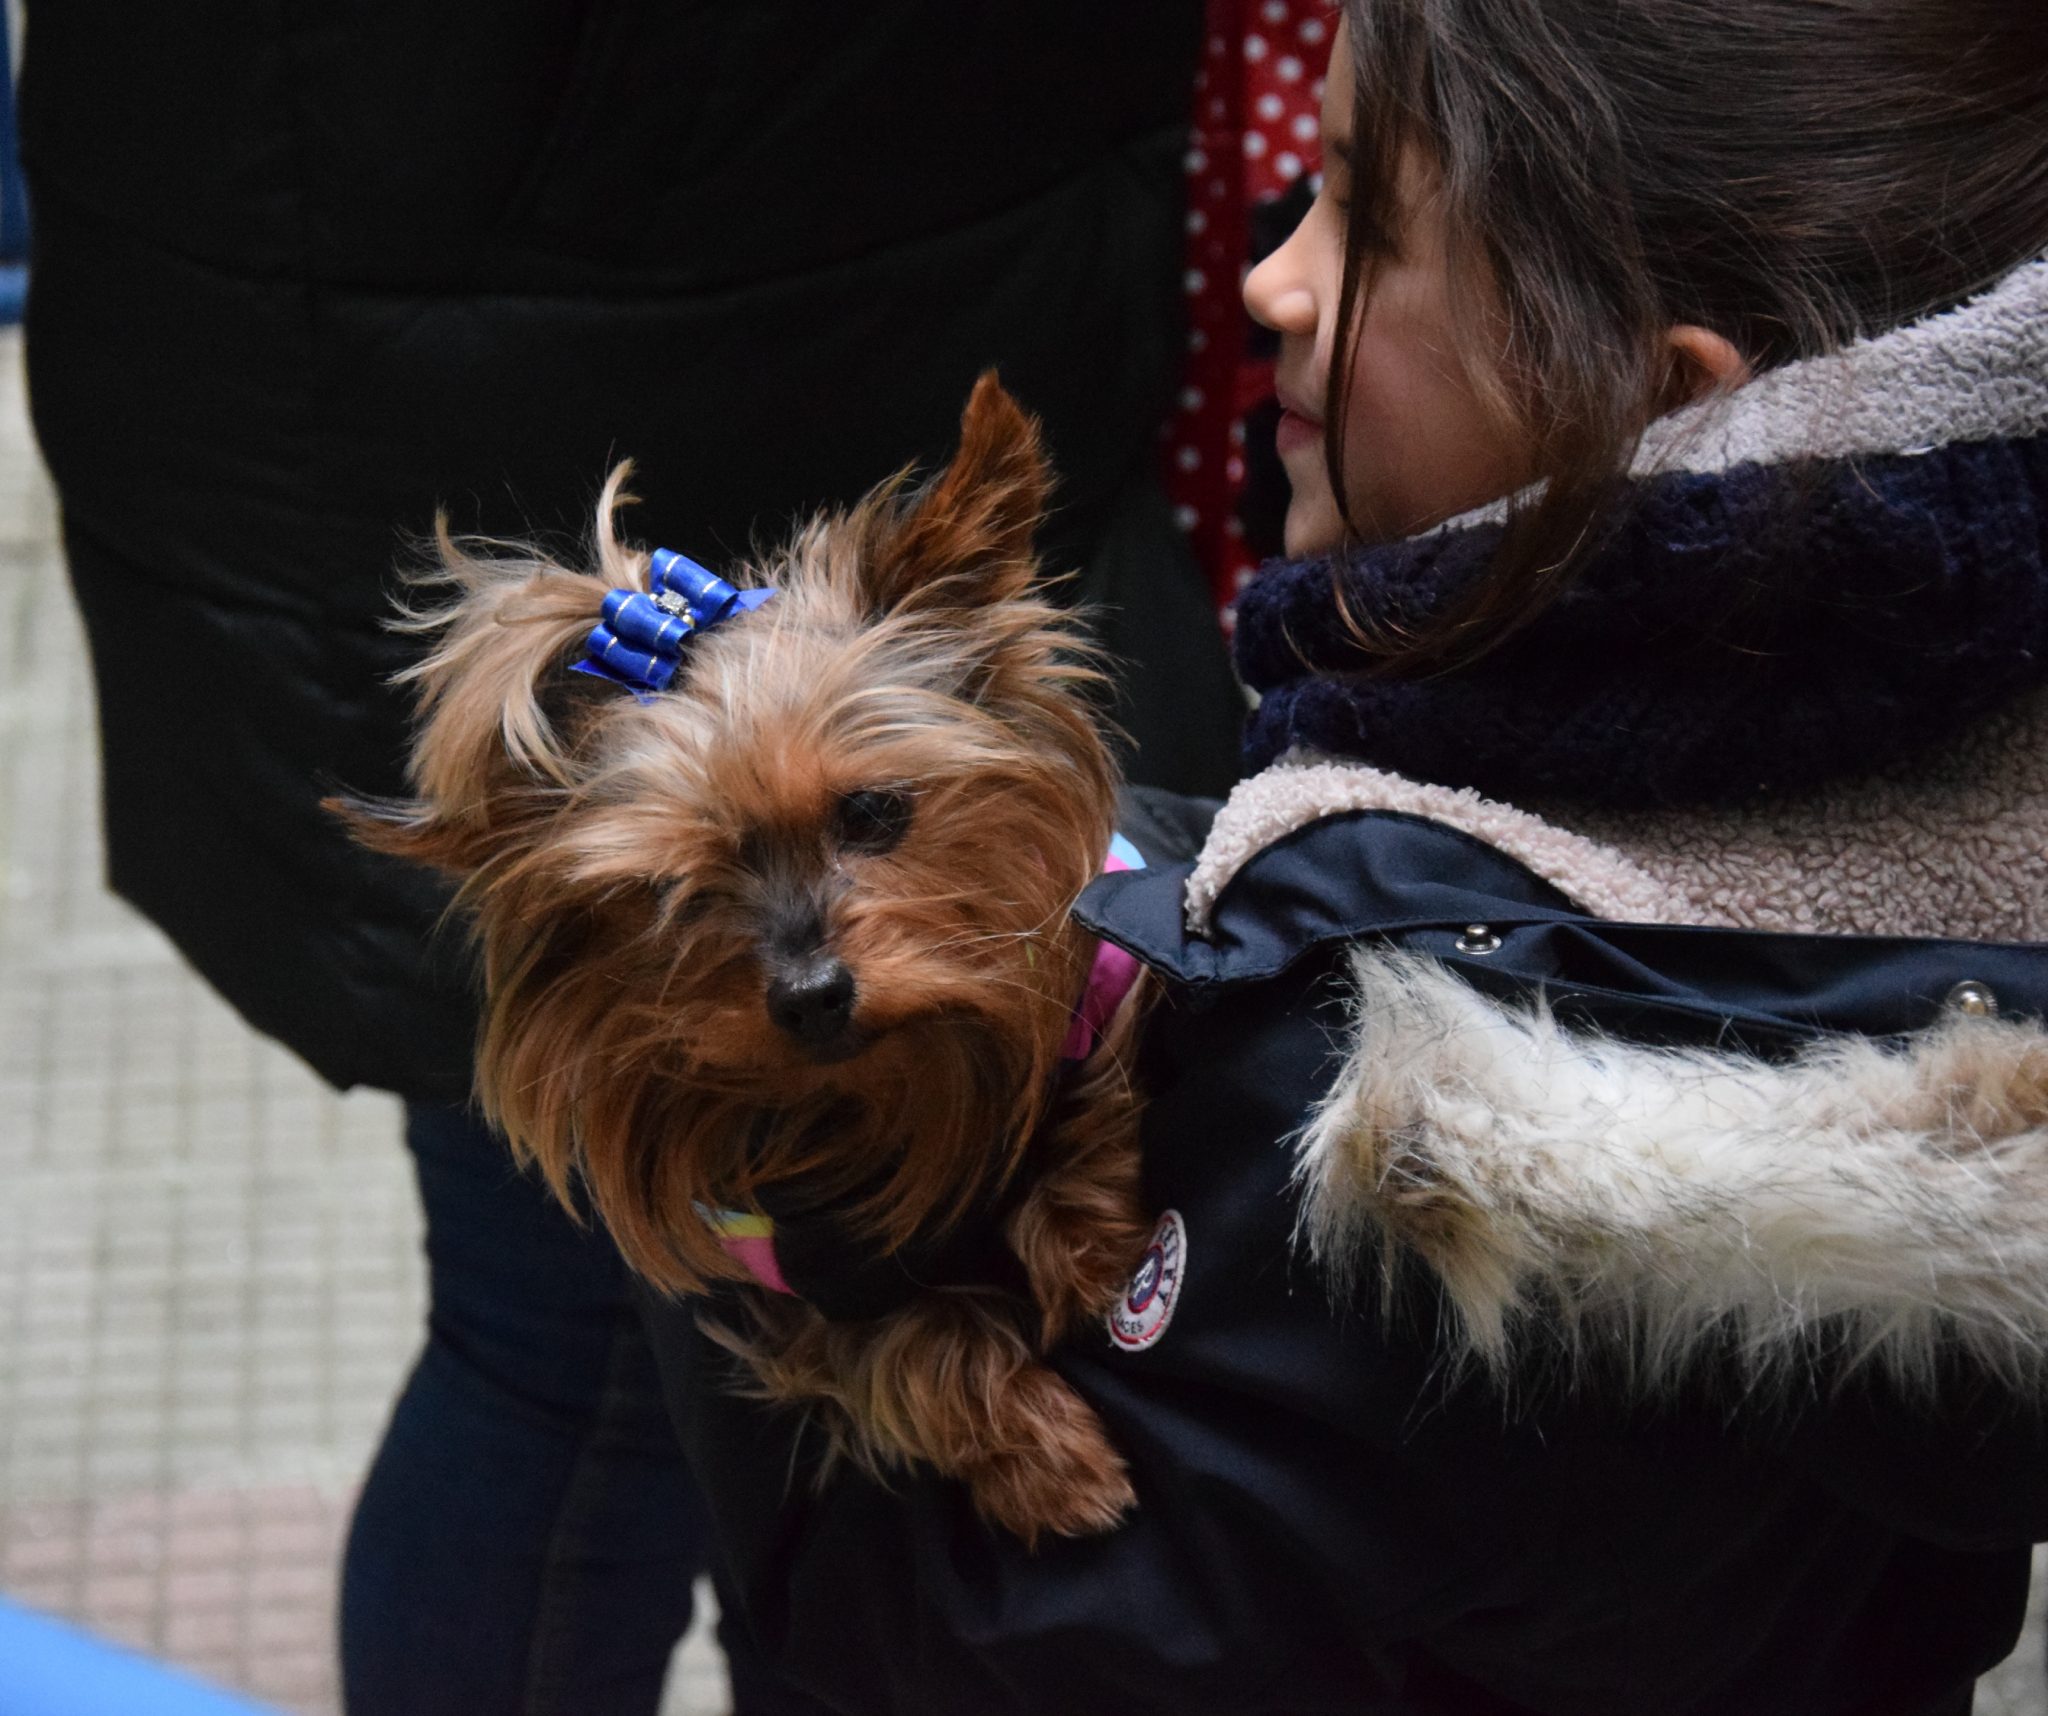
(528, 1534)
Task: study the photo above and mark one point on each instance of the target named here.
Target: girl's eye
(1368, 235)
(873, 820)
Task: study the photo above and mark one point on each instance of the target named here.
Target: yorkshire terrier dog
(775, 942)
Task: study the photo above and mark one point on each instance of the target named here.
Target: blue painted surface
(48, 1669)
(13, 196)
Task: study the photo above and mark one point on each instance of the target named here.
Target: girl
(1601, 1086)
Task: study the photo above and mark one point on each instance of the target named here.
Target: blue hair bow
(639, 642)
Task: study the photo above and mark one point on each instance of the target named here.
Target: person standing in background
(300, 279)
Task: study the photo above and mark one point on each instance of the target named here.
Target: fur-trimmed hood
(1881, 1201)
(1886, 1194)
(1646, 1138)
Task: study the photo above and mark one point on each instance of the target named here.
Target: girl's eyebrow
(1339, 147)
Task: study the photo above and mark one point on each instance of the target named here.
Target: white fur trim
(1655, 1200)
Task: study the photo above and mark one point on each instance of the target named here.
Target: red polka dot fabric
(1257, 102)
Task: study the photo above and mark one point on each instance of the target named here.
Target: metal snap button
(1478, 940)
(1973, 1000)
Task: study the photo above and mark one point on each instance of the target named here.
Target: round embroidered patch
(1140, 1317)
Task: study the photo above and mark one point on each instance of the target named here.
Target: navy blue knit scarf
(1748, 632)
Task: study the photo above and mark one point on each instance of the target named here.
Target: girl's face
(1420, 446)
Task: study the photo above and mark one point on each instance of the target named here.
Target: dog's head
(802, 915)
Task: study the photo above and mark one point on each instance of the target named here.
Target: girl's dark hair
(1791, 174)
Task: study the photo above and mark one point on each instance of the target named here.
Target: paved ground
(209, 1275)
(209, 1280)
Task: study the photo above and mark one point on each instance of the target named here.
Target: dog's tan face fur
(802, 916)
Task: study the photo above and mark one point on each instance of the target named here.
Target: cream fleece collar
(1951, 844)
(1975, 373)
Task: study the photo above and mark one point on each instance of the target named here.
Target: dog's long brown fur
(632, 870)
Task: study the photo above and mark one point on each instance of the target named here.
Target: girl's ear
(1702, 362)
(966, 539)
(495, 750)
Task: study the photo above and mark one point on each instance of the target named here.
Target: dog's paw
(1079, 1253)
(1059, 1473)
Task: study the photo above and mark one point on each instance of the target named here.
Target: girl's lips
(1295, 431)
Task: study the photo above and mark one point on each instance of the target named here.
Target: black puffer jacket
(1333, 1518)
(304, 274)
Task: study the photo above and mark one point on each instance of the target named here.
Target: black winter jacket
(1335, 1514)
(304, 274)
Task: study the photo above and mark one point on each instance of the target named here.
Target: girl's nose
(1278, 296)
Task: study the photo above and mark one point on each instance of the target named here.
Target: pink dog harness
(1110, 977)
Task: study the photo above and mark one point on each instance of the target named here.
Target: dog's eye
(872, 820)
(676, 903)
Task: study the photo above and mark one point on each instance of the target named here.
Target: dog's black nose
(812, 1000)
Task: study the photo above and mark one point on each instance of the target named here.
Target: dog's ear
(965, 541)
(500, 712)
